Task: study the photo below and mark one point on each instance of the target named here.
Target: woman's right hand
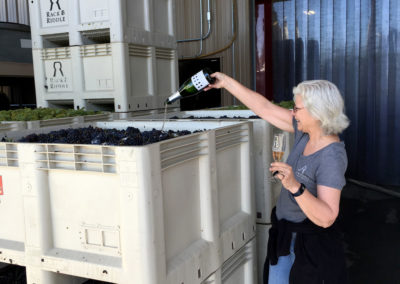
(219, 81)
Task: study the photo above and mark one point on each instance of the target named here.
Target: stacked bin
(168, 212)
(117, 55)
(266, 192)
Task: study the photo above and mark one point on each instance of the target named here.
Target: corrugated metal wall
(356, 45)
(14, 11)
(236, 60)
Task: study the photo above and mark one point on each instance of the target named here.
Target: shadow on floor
(370, 222)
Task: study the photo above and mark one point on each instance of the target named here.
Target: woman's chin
(299, 126)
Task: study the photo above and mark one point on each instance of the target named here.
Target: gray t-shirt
(324, 167)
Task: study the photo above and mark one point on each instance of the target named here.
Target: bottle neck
(177, 95)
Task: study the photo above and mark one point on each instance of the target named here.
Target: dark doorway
(20, 91)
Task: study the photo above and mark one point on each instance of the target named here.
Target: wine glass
(278, 150)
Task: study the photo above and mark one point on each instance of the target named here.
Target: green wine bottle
(192, 86)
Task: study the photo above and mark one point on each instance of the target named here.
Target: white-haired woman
(303, 245)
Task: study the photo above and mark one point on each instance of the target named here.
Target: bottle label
(199, 81)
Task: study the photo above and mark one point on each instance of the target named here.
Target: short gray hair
(325, 103)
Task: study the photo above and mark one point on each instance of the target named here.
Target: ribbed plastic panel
(239, 269)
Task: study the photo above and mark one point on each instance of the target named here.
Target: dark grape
(98, 136)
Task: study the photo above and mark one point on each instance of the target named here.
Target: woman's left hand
(286, 175)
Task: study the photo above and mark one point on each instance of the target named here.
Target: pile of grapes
(27, 114)
(93, 135)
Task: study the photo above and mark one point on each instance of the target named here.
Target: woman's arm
(276, 115)
(321, 210)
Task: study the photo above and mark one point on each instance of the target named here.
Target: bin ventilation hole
(243, 236)
(10, 260)
(119, 106)
(138, 106)
(129, 106)
(233, 245)
(42, 260)
(146, 104)
(199, 273)
(105, 272)
(77, 107)
(259, 215)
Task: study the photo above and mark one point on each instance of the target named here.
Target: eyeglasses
(295, 109)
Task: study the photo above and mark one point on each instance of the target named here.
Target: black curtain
(356, 45)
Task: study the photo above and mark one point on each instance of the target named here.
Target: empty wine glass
(278, 149)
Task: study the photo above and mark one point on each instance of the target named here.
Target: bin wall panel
(86, 231)
(98, 73)
(94, 11)
(141, 76)
(139, 17)
(181, 198)
(11, 206)
(228, 182)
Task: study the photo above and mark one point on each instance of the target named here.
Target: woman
(303, 245)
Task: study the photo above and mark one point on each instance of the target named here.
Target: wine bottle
(192, 86)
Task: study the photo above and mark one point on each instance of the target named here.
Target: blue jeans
(279, 273)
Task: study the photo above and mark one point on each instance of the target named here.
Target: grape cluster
(93, 135)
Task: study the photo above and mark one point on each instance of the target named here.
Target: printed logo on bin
(52, 2)
(1, 186)
(55, 14)
(59, 80)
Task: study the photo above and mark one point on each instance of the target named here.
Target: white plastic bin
(120, 77)
(241, 268)
(266, 191)
(77, 22)
(169, 212)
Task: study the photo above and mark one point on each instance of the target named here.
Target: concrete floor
(370, 222)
